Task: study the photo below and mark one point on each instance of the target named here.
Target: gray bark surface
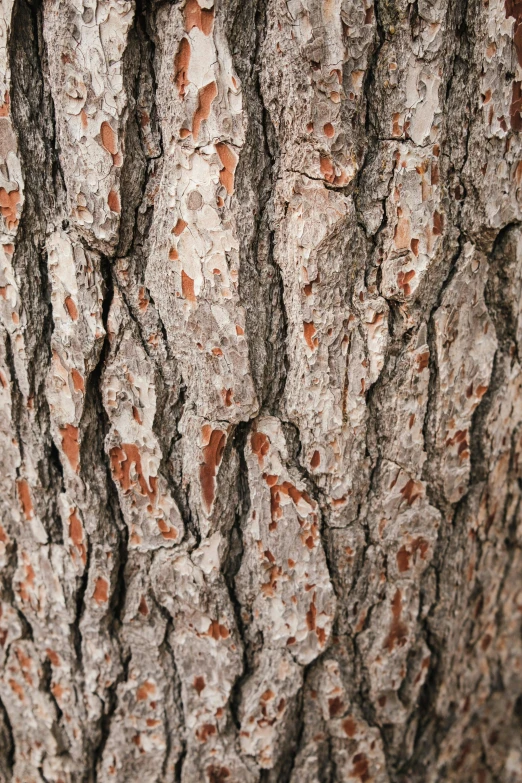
(260, 391)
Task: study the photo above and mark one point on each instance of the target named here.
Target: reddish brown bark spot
(108, 138)
(187, 287)
(181, 65)
(360, 767)
(199, 684)
(143, 608)
(329, 130)
(438, 223)
(514, 111)
(260, 446)
(206, 96)
(8, 203)
(398, 631)
(411, 491)
(25, 498)
(316, 460)
(212, 455)
(123, 458)
(335, 707)
(309, 335)
(202, 18)
(70, 445)
(113, 200)
(217, 774)
(349, 727)
(71, 308)
(414, 244)
(205, 731)
(101, 590)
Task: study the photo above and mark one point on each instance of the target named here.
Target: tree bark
(260, 391)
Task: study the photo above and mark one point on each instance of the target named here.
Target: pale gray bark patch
(260, 391)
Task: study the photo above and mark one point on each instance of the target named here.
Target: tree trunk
(260, 391)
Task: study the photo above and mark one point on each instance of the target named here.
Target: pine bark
(260, 391)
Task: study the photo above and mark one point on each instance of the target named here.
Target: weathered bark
(261, 391)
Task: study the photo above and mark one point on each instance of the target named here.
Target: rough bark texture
(260, 391)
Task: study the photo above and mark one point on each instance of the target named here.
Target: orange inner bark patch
(316, 460)
(123, 458)
(260, 445)
(3, 536)
(199, 684)
(16, 688)
(402, 236)
(136, 415)
(143, 300)
(403, 281)
(514, 9)
(398, 631)
(71, 308)
(396, 130)
(8, 202)
(76, 534)
(228, 159)
(227, 395)
(4, 108)
(217, 631)
(78, 382)
(309, 335)
(327, 169)
(179, 228)
(173, 254)
(329, 130)
(168, 533)
(206, 96)
(101, 590)
(145, 690)
(202, 18)
(411, 491)
(70, 445)
(212, 455)
(108, 138)
(181, 64)
(414, 244)
(187, 287)
(53, 657)
(25, 498)
(113, 200)
(286, 488)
